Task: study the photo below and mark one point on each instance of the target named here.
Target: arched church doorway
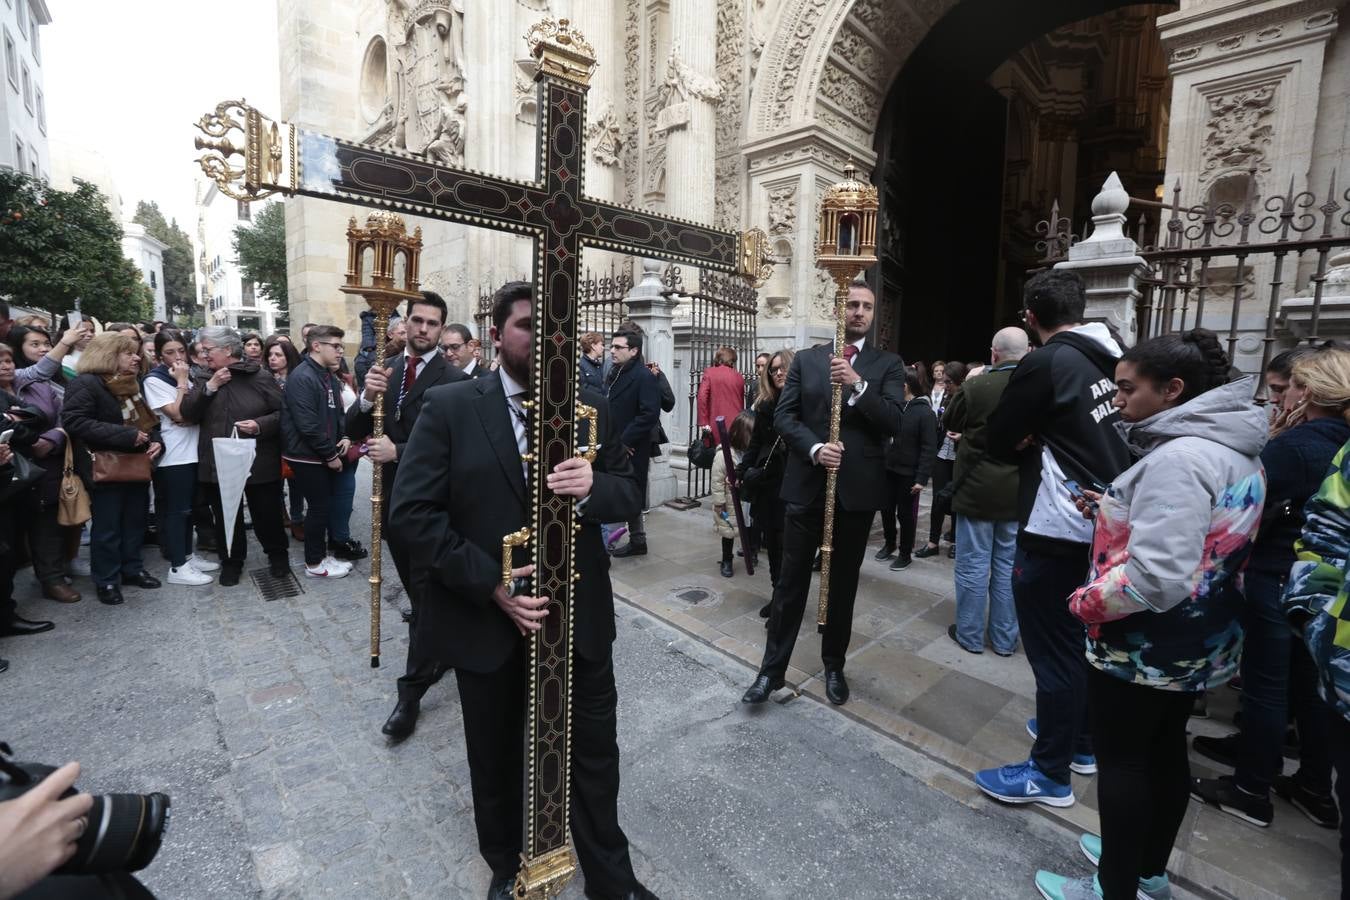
(1002, 110)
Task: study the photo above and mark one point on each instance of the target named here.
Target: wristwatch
(858, 386)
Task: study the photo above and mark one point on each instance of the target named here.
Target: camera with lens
(124, 831)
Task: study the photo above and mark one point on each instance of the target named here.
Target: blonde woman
(1276, 668)
(103, 410)
(761, 468)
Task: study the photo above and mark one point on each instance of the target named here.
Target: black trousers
(423, 668)
(9, 555)
(802, 526)
(901, 506)
(1143, 780)
(1053, 641)
(318, 484)
(493, 704)
(942, 506)
(264, 504)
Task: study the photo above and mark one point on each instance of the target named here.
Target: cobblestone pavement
(261, 720)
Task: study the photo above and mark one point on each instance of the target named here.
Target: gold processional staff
(848, 245)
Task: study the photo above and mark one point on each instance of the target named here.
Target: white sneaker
(202, 565)
(186, 574)
(329, 568)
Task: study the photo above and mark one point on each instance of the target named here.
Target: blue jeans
(344, 497)
(984, 561)
(175, 488)
(116, 531)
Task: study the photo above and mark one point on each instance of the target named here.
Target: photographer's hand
(38, 830)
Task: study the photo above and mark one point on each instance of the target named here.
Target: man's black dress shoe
(630, 549)
(765, 610)
(502, 888)
(110, 594)
(885, 552)
(402, 720)
(17, 627)
(141, 579)
(836, 687)
(727, 569)
(761, 689)
(229, 576)
(4, 665)
(350, 550)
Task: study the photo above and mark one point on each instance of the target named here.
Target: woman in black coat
(761, 470)
(24, 425)
(909, 463)
(103, 410)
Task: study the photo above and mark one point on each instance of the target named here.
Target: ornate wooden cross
(555, 212)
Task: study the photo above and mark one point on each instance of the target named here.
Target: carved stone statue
(428, 100)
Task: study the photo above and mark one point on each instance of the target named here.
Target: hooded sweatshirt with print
(1173, 534)
(1060, 395)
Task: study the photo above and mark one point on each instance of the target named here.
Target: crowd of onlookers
(124, 436)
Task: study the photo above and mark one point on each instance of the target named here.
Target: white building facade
(226, 297)
(23, 101)
(147, 253)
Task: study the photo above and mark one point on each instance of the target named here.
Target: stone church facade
(740, 113)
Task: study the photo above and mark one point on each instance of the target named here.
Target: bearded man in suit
(418, 369)
(461, 489)
(873, 384)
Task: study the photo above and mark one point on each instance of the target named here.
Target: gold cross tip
(563, 52)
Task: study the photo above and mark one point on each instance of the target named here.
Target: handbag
(23, 474)
(117, 467)
(702, 452)
(73, 506)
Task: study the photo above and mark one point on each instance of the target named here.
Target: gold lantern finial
(562, 51)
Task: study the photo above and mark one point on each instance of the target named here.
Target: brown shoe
(298, 531)
(61, 593)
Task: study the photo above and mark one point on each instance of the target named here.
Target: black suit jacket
(802, 417)
(635, 402)
(460, 490)
(399, 426)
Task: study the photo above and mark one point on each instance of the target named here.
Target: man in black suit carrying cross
(419, 368)
(873, 384)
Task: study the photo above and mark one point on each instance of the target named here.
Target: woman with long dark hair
(103, 410)
(280, 358)
(762, 465)
(1162, 601)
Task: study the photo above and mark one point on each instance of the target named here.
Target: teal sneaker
(1062, 887)
(1155, 888)
(1091, 845)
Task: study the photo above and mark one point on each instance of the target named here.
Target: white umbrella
(234, 460)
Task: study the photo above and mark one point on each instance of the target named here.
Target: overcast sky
(131, 78)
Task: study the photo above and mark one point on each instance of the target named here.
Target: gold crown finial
(562, 51)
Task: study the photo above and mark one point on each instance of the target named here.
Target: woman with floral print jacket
(1173, 533)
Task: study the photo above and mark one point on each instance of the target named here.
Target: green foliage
(180, 292)
(56, 246)
(261, 249)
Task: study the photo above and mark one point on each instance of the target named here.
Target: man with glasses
(456, 342)
(313, 442)
(404, 384)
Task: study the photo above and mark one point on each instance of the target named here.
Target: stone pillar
(688, 118)
(1109, 263)
(653, 312)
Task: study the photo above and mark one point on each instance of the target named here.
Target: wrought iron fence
(1204, 255)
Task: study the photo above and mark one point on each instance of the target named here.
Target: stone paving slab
(966, 711)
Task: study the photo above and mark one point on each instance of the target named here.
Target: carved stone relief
(526, 97)
(425, 113)
(632, 85)
(605, 138)
(858, 101)
(730, 112)
(1238, 132)
(783, 210)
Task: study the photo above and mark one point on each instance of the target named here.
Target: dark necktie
(850, 351)
(409, 376)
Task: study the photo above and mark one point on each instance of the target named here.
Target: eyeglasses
(776, 370)
(336, 345)
(619, 347)
(454, 348)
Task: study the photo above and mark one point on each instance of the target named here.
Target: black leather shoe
(229, 576)
(110, 594)
(885, 552)
(630, 549)
(4, 665)
(836, 687)
(402, 720)
(765, 610)
(141, 579)
(279, 566)
(727, 569)
(761, 689)
(502, 888)
(925, 551)
(17, 627)
(900, 563)
(351, 550)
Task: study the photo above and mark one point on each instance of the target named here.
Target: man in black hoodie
(1056, 419)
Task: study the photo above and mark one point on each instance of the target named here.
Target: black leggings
(942, 473)
(1143, 781)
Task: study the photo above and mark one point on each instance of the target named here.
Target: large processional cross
(555, 212)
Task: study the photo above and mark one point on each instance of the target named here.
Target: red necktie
(409, 376)
(850, 351)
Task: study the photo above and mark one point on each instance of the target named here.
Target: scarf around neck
(127, 389)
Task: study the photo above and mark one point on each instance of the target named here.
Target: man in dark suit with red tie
(873, 384)
(420, 368)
